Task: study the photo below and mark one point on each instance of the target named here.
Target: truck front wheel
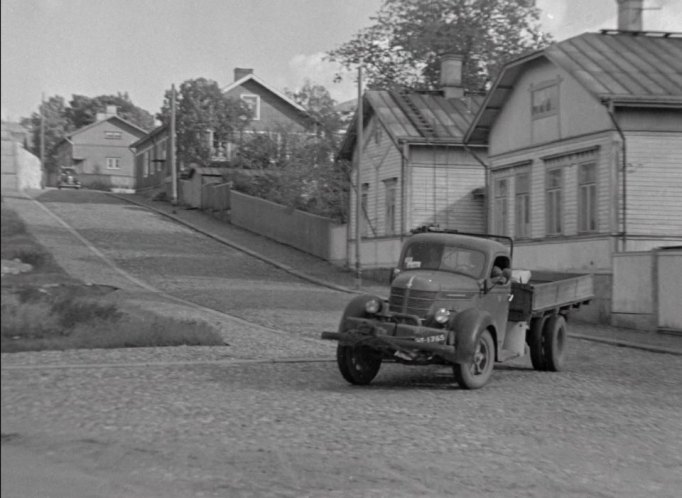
(536, 342)
(476, 372)
(358, 364)
(554, 339)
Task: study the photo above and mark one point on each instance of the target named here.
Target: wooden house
(272, 113)
(414, 167)
(100, 152)
(584, 144)
(151, 157)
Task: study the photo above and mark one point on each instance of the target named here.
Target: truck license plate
(431, 338)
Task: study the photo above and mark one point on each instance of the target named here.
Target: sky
(98, 47)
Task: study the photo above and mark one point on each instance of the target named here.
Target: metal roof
(625, 67)
(415, 116)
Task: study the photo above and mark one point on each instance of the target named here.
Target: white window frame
(255, 111)
(391, 204)
(522, 212)
(501, 206)
(554, 199)
(587, 199)
(113, 163)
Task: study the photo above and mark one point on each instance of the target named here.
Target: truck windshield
(435, 256)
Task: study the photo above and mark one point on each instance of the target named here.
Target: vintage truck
(454, 300)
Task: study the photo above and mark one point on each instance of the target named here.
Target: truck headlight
(442, 315)
(372, 306)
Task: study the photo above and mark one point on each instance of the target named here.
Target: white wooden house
(585, 151)
(414, 169)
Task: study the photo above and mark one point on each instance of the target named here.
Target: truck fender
(466, 327)
(356, 308)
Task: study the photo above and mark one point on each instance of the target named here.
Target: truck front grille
(413, 302)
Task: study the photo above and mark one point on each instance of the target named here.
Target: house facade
(272, 113)
(100, 152)
(151, 157)
(414, 168)
(585, 141)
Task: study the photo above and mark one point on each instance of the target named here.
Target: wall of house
(443, 189)
(654, 188)
(275, 114)
(94, 148)
(151, 162)
(579, 113)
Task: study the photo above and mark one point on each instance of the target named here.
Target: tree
(203, 109)
(83, 110)
(57, 126)
(404, 46)
(320, 105)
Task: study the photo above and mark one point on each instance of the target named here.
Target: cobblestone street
(270, 415)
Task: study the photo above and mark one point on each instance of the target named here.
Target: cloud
(318, 70)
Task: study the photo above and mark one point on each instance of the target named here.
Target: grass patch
(46, 308)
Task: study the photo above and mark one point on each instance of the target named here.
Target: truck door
(496, 300)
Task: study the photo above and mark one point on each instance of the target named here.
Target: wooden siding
(654, 184)
(276, 115)
(579, 113)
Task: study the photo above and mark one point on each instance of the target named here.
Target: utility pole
(43, 170)
(358, 186)
(174, 172)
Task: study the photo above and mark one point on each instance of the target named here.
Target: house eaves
(633, 69)
(125, 122)
(267, 87)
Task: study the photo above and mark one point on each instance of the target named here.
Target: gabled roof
(133, 127)
(416, 117)
(256, 79)
(624, 67)
(149, 136)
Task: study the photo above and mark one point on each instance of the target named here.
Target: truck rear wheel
(358, 364)
(536, 343)
(475, 373)
(554, 339)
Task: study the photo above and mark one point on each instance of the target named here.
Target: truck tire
(475, 373)
(554, 339)
(536, 343)
(358, 365)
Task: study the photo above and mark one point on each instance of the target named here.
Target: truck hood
(437, 281)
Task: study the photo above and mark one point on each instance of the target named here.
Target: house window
(500, 209)
(587, 201)
(522, 206)
(391, 186)
(113, 163)
(364, 199)
(112, 135)
(553, 204)
(253, 103)
(545, 101)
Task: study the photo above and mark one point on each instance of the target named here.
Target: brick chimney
(240, 72)
(451, 76)
(630, 15)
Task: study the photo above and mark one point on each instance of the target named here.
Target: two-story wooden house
(414, 167)
(272, 113)
(584, 141)
(101, 153)
(151, 158)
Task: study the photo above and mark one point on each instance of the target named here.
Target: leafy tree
(57, 126)
(83, 110)
(320, 105)
(201, 107)
(404, 46)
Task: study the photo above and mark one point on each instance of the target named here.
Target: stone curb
(288, 269)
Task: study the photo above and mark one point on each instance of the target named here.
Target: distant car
(68, 178)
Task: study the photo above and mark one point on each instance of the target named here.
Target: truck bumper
(403, 340)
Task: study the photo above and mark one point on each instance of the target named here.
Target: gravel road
(258, 418)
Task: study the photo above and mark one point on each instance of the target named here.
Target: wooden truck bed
(547, 292)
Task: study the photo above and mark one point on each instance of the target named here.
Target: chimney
(630, 15)
(101, 116)
(240, 72)
(112, 110)
(451, 76)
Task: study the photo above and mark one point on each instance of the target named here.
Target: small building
(151, 155)
(100, 152)
(414, 167)
(21, 169)
(584, 141)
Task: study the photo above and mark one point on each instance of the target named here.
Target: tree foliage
(83, 110)
(317, 101)
(404, 45)
(56, 125)
(201, 106)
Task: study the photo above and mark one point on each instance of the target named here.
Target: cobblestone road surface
(228, 421)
